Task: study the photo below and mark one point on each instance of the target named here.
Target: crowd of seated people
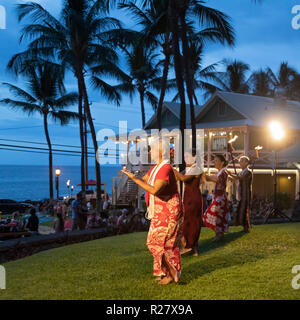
(260, 205)
(126, 221)
(17, 223)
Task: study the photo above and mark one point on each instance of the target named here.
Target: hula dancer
(242, 216)
(216, 215)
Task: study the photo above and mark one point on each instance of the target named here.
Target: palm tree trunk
(163, 82)
(50, 156)
(94, 138)
(196, 100)
(178, 72)
(141, 91)
(82, 142)
(188, 76)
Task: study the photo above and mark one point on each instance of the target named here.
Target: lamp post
(72, 189)
(277, 133)
(68, 186)
(57, 174)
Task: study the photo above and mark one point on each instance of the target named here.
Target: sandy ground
(45, 230)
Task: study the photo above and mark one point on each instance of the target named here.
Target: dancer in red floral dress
(215, 217)
(192, 203)
(165, 211)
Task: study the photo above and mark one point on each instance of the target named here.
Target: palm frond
(108, 91)
(64, 117)
(152, 99)
(213, 18)
(138, 14)
(65, 101)
(37, 13)
(126, 88)
(28, 108)
(110, 69)
(18, 92)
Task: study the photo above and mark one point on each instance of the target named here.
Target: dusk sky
(265, 37)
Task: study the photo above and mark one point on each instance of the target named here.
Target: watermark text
(2, 278)
(296, 279)
(2, 17)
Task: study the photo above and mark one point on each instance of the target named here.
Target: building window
(221, 109)
(219, 144)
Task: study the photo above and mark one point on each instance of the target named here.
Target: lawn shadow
(221, 261)
(208, 244)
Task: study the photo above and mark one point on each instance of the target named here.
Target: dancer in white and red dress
(166, 214)
(215, 217)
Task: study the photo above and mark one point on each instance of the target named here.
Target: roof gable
(211, 111)
(173, 110)
(219, 111)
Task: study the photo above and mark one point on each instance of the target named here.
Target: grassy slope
(253, 266)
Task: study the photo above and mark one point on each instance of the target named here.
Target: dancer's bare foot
(159, 278)
(171, 271)
(166, 280)
(195, 251)
(185, 250)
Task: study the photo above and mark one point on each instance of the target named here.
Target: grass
(47, 224)
(252, 266)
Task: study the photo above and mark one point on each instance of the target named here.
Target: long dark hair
(222, 159)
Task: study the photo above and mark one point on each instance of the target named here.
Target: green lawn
(253, 266)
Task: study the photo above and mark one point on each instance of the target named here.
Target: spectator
(105, 204)
(18, 225)
(77, 211)
(64, 210)
(83, 213)
(93, 221)
(33, 222)
(59, 224)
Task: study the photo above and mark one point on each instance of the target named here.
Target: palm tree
(234, 78)
(202, 76)
(183, 13)
(46, 96)
(295, 88)
(143, 75)
(179, 71)
(154, 20)
(283, 80)
(260, 84)
(78, 39)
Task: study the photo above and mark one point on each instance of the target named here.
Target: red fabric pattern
(215, 217)
(166, 226)
(165, 173)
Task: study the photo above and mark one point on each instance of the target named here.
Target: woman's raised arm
(158, 187)
(184, 178)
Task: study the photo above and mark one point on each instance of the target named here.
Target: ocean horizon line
(61, 165)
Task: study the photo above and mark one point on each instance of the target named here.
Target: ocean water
(31, 182)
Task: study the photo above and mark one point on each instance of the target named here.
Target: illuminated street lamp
(278, 133)
(57, 174)
(72, 189)
(276, 130)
